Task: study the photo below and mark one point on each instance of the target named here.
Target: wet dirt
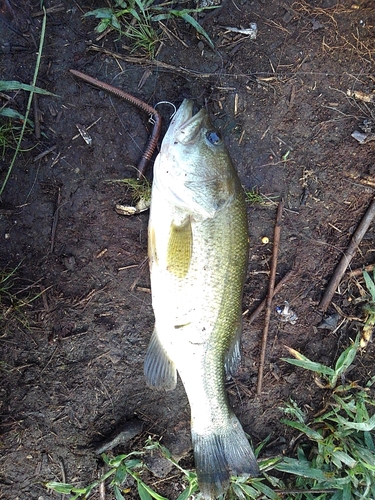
(74, 373)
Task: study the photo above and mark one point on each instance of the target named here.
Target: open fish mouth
(185, 125)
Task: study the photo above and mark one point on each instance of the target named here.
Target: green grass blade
(118, 494)
(311, 365)
(12, 113)
(346, 358)
(316, 436)
(36, 71)
(189, 19)
(300, 468)
(359, 426)
(103, 13)
(143, 493)
(266, 490)
(11, 85)
(344, 458)
(147, 493)
(65, 488)
(369, 284)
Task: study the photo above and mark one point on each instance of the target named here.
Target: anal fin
(159, 370)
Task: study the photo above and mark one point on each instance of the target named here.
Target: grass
(137, 20)
(13, 300)
(140, 190)
(10, 113)
(255, 197)
(333, 460)
(6, 137)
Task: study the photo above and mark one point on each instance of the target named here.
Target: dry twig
(271, 288)
(55, 220)
(359, 271)
(347, 257)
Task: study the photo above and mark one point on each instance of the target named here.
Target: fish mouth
(185, 126)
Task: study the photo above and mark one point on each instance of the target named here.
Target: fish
(198, 247)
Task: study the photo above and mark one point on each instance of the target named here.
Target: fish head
(193, 169)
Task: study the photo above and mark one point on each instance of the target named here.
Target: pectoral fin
(159, 370)
(152, 254)
(180, 248)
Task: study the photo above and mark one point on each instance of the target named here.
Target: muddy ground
(71, 361)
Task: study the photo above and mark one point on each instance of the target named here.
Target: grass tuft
(136, 19)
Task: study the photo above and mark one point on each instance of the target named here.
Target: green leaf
(133, 463)
(103, 25)
(345, 458)
(316, 436)
(65, 488)
(118, 494)
(359, 426)
(367, 458)
(188, 491)
(143, 493)
(311, 365)
(12, 113)
(300, 468)
(189, 19)
(238, 491)
(369, 441)
(266, 490)
(141, 6)
(103, 13)
(370, 284)
(117, 460)
(120, 476)
(147, 492)
(161, 17)
(268, 463)
(11, 85)
(115, 23)
(346, 359)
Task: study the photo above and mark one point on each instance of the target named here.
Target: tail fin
(220, 455)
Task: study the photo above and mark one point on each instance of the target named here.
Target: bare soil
(72, 363)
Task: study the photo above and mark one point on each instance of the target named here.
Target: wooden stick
(36, 116)
(347, 257)
(271, 287)
(55, 220)
(359, 271)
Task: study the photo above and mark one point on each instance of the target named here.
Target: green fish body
(198, 252)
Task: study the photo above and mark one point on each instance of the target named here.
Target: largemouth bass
(198, 252)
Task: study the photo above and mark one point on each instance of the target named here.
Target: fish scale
(198, 251)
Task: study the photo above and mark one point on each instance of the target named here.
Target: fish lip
(183, 119)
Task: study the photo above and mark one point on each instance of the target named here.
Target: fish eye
(214, 137)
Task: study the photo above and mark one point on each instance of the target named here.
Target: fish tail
(220, 455)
